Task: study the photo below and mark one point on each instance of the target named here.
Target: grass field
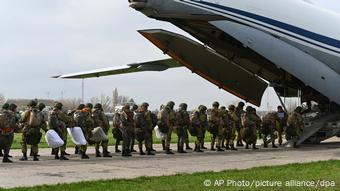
(321, 173)
(17, 139)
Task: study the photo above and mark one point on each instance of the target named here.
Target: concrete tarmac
(50, 171)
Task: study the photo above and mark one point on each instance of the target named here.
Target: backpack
(80, 118)
(35, 118)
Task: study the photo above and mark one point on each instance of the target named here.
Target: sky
(44, 38)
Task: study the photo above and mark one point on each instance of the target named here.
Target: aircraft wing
(158, 65)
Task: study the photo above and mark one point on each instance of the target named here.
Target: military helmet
(41, 106)
(171, 103)
(183, 106)
(202, 108)
(241, 104)
(98, 106)
(298, 109)
(89, 105)
(134, 107)
(223, 108)
(58, 105)
(32, 103)
(12, 107)
(5, 106)
(144, 104)
(231, 107)
(249, 109)
(80, 107)
(216, 104)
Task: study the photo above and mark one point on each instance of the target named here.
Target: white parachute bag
(77, 136)
(159, 134)
(98, 135)
(53, 139)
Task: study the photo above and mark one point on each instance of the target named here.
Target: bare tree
(115, 98)
(70, 104)
(106, 103)
(2, 99)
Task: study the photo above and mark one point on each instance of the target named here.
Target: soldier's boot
(212, 147)
(274, 146)
(187, 147)
(65, 153)
(6, 159)
(116, 148)
(219, 149)
(227, 147)
(126, 153)
(247, 146)
(223, 145)
(1, 153)
(202, 146)
(265, 144)
(141, 152)
(98, 153)
(106, 153)
(163, 145)
(150, 153)
(24, 157)
(199, 149)
(232, 147)
(168, 151)
(181, 149)
(254, 147)
(62, 157)
(53, 151)
(84, 155)
(76, 150)
(56, 156)
(35, 157)
(295, 145)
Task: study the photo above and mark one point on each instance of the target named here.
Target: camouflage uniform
(215, 123)
(230, 132)
(282, 119)
(199, 122)
(249, 123)
(59, 121)
(127, 127)
(8, 124)
(133, 138)
(143, 131)
(32, 130)
(295, 126)
(269, 126)
(167, 118)
(100, 120)
(239, 112)
(84, 120)
(117, 134)
(181, 126)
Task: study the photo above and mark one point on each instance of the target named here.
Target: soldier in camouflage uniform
(239, 112)
(100, 120)
(8, 125)
(225, 123)
(32, 121)
(214, 120)
(82, 118)
(41, 107)
(3, 108)
(127, 127)
(181, 125)
(167, 119)
(249, 122)
(59, 121)
(117, 134)
(230, 132)
(282, 119)
(269, 126)
(199, 122)
(295, 126)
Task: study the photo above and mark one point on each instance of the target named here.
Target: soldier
(199, 122)
(127, 126)
(269, 123)
(117, 134)
(222, 128)
(215, 123)
(239, 112)
(168, 116)
(4, 108)
(8, 125)
(230, 132)
(249, 128)
(143, 131)
(295, 126)
(82, 118)
(100, 120)
(181, 125)
(32, 121)
(59, 121)
(41, 107)
(134, 111)
(282, 119)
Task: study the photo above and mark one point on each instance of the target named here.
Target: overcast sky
(43, 38)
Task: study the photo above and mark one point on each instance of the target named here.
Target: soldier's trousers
(34, 148)
(148, 140)
(199, 138)
(186, 136)
(230, 135)
(280, 134)
(180, 131)
(104, 144)
(127, 135)
(63, 136)
(6, 142)
(239, 130)
(168, 138)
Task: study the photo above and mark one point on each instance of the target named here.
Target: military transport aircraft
(246, 45)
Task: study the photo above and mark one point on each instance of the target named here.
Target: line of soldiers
(138, 123)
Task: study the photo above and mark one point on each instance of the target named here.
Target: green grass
(327, 170)
(18, 137)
